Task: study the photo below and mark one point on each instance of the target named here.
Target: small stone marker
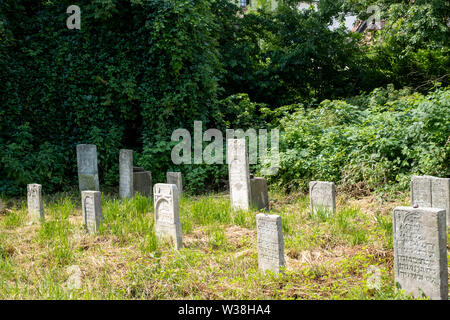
(87, 167)
(429, 191)
(270, 242)
(238, 174)
(176, 179)
(259, 193)
(126, 174)
(420, 251)
(322, 195)
(91, 202)
(35, 205)
(142, 183)
(421, 191)
(167, 216)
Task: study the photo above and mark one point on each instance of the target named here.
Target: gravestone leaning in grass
(429, 191)
(126, 174)
(91, 203)
(176, 179)
(34, 201)
(167, 215)
(238, 174)
(87, 167)
(420, 251)
(322, 196)
(259, 193)
(142, 182)
(270, 242)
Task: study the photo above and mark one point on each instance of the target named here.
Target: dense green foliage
(367, 142)
(139, 69)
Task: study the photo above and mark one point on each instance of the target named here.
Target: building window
(244, 3)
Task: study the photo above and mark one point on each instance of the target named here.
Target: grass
(347, 255)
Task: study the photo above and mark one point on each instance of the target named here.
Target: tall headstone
(126, 174)
(167, 215)
(176, 179)
(35, 204)
(259, 193)
(440, 195)
(142, 183)
(322, 196)
(91, 202)
(429, 191)
(238, 174)
(87, 167)
(1, 205)
(421, 191)
(420, 251)
(270, 242)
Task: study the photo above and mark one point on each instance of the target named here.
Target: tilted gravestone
(259, 193)
(167, 215)
(91, 202)
(126, 174)
(142, 183)
(87, 167)
(270, 242)
(176, 179)
(420, 251)
(35, 204)
(429, 191)
(322, 196)
(238, 174)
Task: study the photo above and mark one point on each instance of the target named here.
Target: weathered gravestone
(259, 193)
(167, 216)
(176, 179)
(420, 251)
(440, 195)
(270, 242)
(126, 174)
(322, 196)
(238, 174)
(142, 182)
(35, 205)
(429, 191)
(87, 167)
(421, 191)
(1, 205)
(91, 202)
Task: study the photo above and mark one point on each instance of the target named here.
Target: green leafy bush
(389, 137)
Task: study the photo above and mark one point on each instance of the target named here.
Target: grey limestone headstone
(91, 203)
(259, 193)
(142, 183)
(322, 196)
(238, 174)
(421, 191)
(440, 195)
(87, 167)
(35, 204)
(420, 251)
(126, 174)
(429, 191)
(176, 179)
(167, 215)
(270, 242)
(1, 205)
